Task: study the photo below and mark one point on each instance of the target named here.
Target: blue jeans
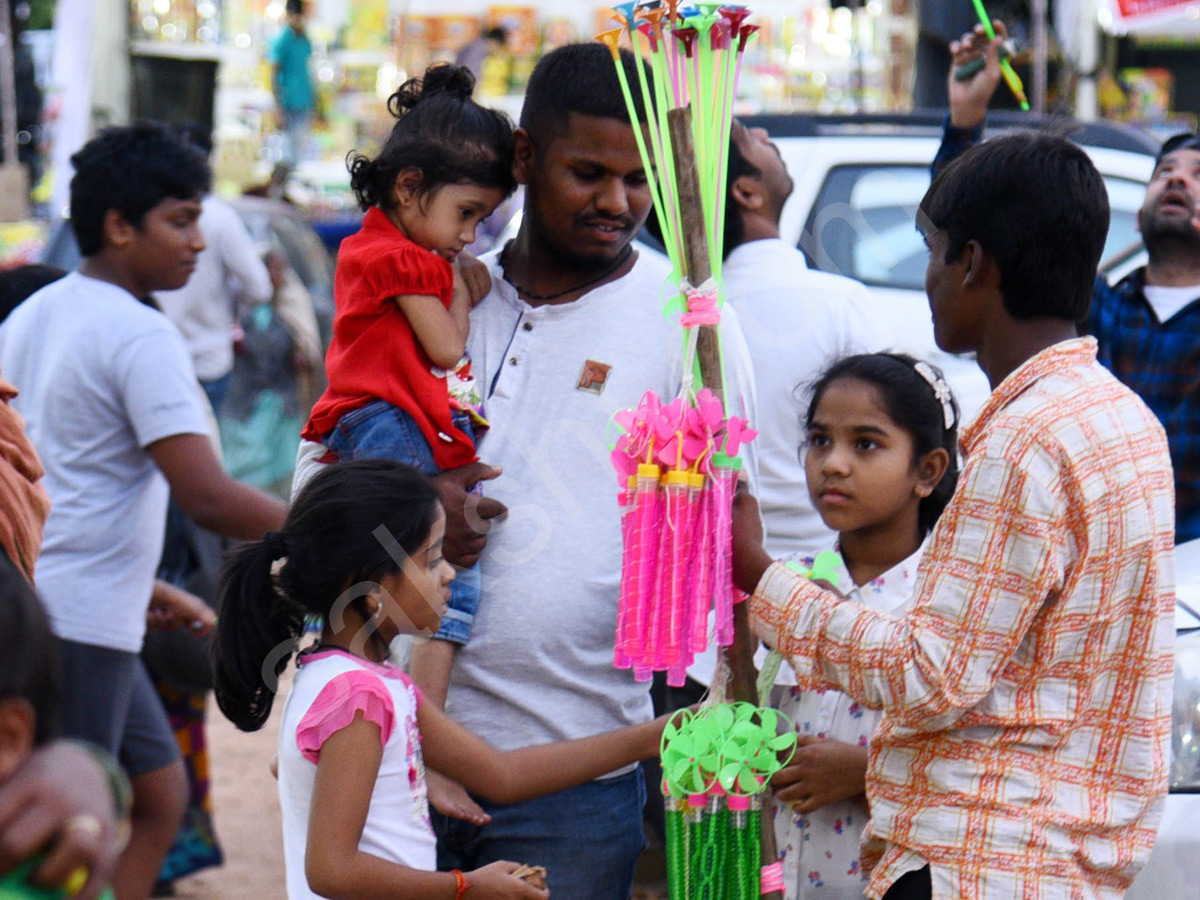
(588, 838)
(296, 127)
(382, 431)
(217, 390)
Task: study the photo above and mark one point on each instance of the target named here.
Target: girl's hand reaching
(471, 277)
(821, 772)
(497, 882)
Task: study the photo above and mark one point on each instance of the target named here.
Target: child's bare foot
(451, 799)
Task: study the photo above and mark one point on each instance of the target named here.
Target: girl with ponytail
(361, 552)
(400, 384)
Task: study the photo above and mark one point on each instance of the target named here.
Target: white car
(858, 180)
(1173, 871)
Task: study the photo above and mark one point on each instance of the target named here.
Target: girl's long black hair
(330, 542)
(442, 132)
(910, 402)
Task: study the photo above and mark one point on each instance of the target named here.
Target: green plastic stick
(1006, 69)
(672, 230)
(647, 159)
(676, 840)
(660, 140)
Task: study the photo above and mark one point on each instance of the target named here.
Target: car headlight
(1185, 715)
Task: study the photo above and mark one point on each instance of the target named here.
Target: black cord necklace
(530, 295)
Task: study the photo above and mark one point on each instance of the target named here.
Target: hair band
(941, 390)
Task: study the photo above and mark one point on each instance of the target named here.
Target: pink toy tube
(625, 605)
(724, 485)
(679, 528)
(644, 549)
(701, 570)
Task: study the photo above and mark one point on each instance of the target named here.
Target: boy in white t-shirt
(112, 405)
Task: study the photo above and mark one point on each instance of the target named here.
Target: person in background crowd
(796, 322)
(1147, 326)
(111, 403)
(204, 309)
(264, 412)
(292, 84)
(475, 53)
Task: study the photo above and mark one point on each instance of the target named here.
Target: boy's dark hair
(578, 78)
(131, 169)
(30, 654)
(442, 132)
(294, 7)
(198, 135)
(735, 227)
(910, 401)
(21, 282)
(332, 544)
(1036, 203)
(496, 34)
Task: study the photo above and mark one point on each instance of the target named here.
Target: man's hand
(821, 772)
(468, 516)
(60, 804)
(750, 560)
(174, 608)
(474, 277)
(971, 92)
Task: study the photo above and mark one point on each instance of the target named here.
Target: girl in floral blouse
(880, 461)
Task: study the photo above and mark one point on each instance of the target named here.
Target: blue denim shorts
(380, 430)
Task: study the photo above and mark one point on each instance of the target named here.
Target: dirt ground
(246, 808)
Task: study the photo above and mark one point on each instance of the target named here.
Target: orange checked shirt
(1027, 689)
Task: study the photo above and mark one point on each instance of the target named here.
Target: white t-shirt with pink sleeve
(332, 687)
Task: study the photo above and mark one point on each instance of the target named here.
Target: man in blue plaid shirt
(1148, 324)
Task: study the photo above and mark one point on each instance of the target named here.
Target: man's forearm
(955, 142)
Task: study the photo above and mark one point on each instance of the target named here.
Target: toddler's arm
(441, 332)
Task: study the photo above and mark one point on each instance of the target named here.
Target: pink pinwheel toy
(677, 466)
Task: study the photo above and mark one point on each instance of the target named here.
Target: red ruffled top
(374, 354)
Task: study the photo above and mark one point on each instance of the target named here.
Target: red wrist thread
(461, 885)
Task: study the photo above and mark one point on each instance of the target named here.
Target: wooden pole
(8, 85)
(14, 184)
(740, 654)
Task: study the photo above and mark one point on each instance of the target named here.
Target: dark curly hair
(131, 169)
(442, 132)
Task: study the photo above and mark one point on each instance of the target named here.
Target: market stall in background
(809, 56)
(111, 61)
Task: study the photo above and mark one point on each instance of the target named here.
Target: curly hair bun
(456, 82)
